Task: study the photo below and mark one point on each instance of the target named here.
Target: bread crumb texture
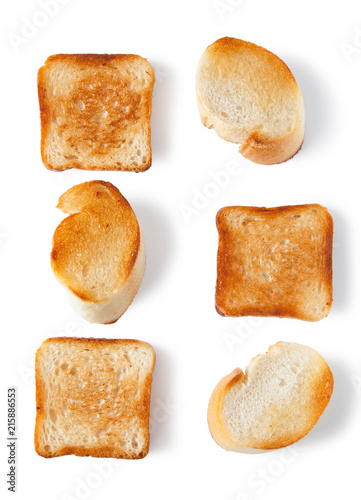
(93, 397)
(250, 97)
(95, 112)
(277, 402)
(275, 262)
(96, 246)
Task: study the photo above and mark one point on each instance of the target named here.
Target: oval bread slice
(250, 97)
(98, 251)
(274, 403)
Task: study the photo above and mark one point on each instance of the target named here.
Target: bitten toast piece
(95, 112)
(274, 403)
(250, 97)
(93, 397)
(98, 251)
(275, 262)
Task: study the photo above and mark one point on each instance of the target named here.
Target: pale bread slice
(276, 402)
(95, 112)
(250, 97)
(98, 251)
(93, 397)
(275, 262)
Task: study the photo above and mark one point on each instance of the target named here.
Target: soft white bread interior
(93, 397)
(274, 403)
(98, 251)
(250, 97)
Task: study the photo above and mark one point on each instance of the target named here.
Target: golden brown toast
(95, 112)
(275, 262)
(98, 251)
(276, 402)
(250, 97)
(93, 397)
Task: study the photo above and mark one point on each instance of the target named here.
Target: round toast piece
(98, 251)
(250, 97)
(274, 403)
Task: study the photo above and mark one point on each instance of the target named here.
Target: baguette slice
(98, 251)
(93, 397)
(95, 112)
(275, 262)
(250, 97)
(274, 403)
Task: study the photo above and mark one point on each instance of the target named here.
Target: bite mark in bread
(98, 251)
(275, 403)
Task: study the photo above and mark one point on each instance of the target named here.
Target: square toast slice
(95, 112)
(275, 262)
(93, 397)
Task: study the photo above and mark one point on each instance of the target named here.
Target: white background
(174, 308)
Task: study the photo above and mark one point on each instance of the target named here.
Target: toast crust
(260, 149)
(98, 251)
(215, 410)
(231, 65)
(274, 262)
(81, 404)
(319, 387)
(102, 109)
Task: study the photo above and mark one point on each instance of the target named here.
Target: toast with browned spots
(95, 112)
(93, 397)
(98, 251)
(275, 262)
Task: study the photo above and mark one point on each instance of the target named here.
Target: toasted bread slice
(274, 404)
(98, 251)
(95, 112)
(275, 262)
(93, 397)
(250, 97)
